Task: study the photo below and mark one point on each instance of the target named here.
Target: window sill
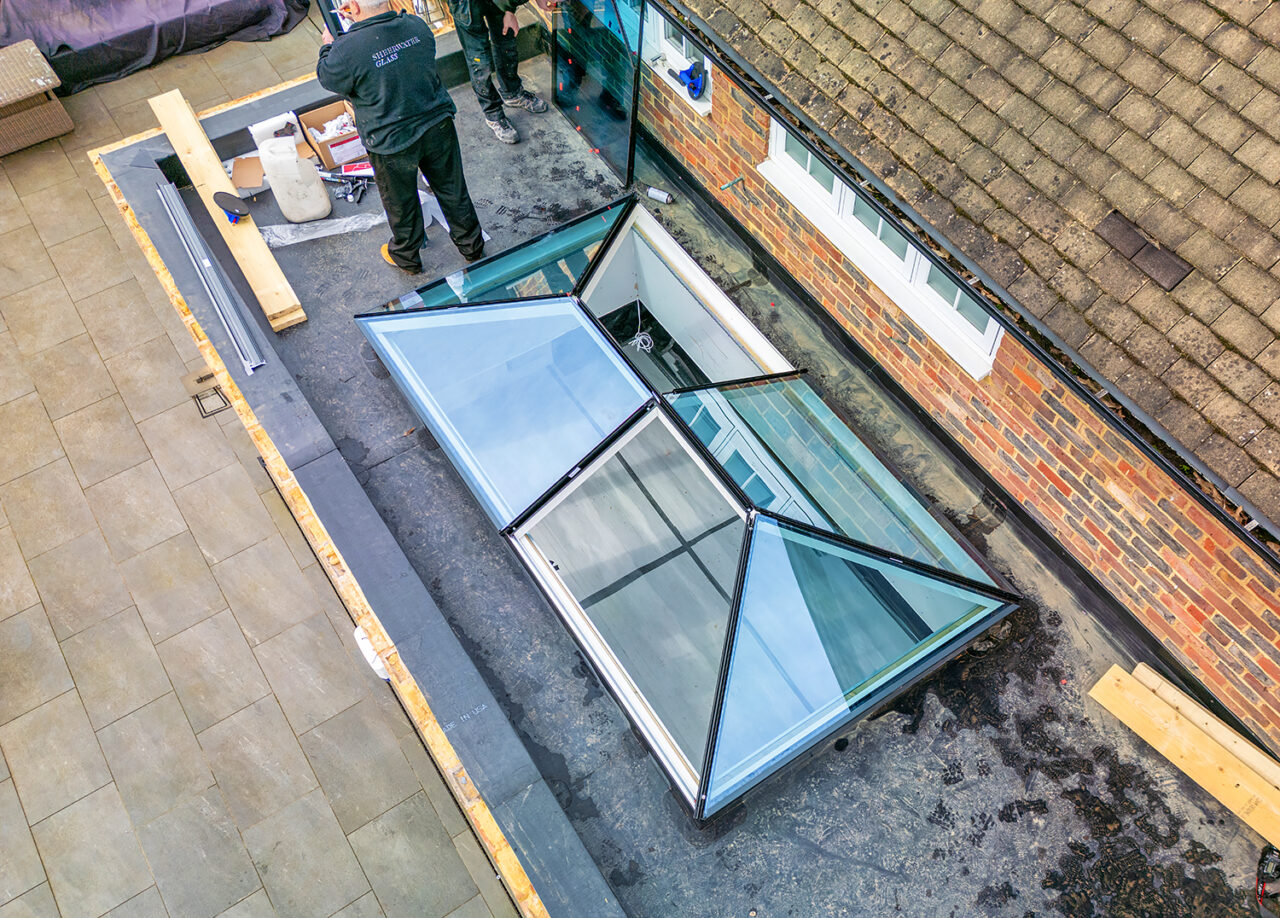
(700, 106)
(972, 355)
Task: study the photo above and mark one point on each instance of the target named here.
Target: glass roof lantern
(746, 575)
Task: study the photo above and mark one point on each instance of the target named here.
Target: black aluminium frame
(657, 401)
(850, 171)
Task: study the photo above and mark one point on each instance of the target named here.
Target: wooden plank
(259, 266)
(1205, 761)
(1249, 755)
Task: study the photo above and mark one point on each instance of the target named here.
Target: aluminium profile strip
(226, 301)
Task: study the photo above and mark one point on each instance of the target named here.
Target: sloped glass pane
(815, 469)
(821, 626)
(548, 265)
(516, 393)
(649, 546)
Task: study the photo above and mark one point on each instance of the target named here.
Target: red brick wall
(1183, 574)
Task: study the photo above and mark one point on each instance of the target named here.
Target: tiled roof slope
(1017, 126)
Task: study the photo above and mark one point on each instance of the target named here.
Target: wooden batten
(259, 266)
(1207, 762)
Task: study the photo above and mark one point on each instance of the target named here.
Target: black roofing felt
(995, 787)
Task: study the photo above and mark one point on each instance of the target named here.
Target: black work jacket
(386, 66)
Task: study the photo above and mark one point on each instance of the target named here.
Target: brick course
(1182, 573)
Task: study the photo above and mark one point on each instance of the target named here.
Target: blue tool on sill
(231, 205)
(694, 78)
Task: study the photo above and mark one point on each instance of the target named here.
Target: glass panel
(942, 285)
(973, 312)
(821, 625)
(515, 393)
(596, 48)
(866, 214)
(795, 149)
(824, 176)
(825, 475)
(551, 264)
(649, 547)
(895, 241)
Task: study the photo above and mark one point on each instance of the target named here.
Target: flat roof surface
(995, 787)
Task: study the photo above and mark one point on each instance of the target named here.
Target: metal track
(227, 302)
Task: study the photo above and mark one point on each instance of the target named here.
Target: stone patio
(186, 725)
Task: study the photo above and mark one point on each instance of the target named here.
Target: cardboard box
(335, 151)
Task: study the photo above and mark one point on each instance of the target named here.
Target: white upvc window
(946, 311)
(667, 47)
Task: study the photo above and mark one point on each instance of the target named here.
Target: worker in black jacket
(386, 65)
(487, 30)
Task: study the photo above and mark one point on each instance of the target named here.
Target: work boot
(503, 129)
(526, 100)
(386, 256)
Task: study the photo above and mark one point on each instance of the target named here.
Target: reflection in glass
(821, 624)
(515, 393)
(550, 264)
(794, 457)
(596, 49)
(648, 545)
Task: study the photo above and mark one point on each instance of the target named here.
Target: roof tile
(1194, 339)
(1234, 418)
(1241, 376)
(1227, 460)
(1192, 383)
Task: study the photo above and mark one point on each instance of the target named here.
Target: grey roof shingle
(1017, 126)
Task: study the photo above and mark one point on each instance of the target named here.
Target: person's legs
(396, 175)
(473, 34)
(506, 57)
(441, 163)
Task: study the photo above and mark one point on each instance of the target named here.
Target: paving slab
(69, 376)
(310, 672)
(89, 263)
(62, 211)
(92, 856)
(305, 861)
(118, 318)
(472, 908)
(225, 513)
(12, 213)
(411, 862)
(365, 907)
(14, 379)
(484, 876)
(30, 441)
(213, 670)
(36, 168)
(267, 592)
(155, 758)
(256, 906)
(185, 446)
(54, 756)
(17, 591)
(24, 263)
(146, 904)
(258, 763)
(101, 440)
(438, 793)
(46, 507)
(38, 903)
(32, 670)
(172, 586)
(149, 376)
(135, 510)
(115, 667)
(79, 584)
(20, 868)
(360, 765)
(40, 316)
(200, 864)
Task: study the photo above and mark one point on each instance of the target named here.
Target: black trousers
(437, 156)
(489, 53)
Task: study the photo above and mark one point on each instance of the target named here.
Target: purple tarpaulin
(94, 41)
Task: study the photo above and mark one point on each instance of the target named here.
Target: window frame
(904, 280)
(655, 44)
